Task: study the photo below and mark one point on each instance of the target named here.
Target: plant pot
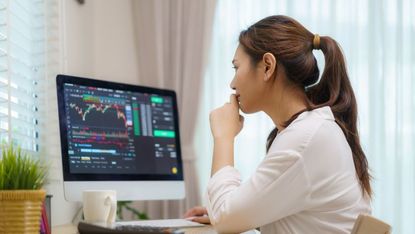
(20, 210)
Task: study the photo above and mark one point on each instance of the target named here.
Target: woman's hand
(197, 214)
(225, 121)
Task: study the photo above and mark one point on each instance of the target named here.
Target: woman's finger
(196, 211)
(233, 100)
(201, 219)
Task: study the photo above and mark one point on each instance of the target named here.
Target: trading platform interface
(120, 132)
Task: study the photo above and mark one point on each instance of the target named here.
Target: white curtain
(377, 38)
(172, 39)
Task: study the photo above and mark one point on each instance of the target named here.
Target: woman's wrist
(222, 153)
(218, 139)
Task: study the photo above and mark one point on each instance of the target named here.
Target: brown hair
(292, 45)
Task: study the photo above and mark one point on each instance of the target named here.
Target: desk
(72, 229)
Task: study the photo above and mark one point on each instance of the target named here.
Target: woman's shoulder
(298, 135)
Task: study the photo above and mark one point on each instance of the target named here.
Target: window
(22, 65)
(29, 61)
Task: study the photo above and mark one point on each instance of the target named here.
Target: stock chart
(100, 124)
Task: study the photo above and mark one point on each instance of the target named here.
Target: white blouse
(307, 183)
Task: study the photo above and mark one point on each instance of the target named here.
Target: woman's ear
(270, 63)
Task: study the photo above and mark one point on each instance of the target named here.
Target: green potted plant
(21, 193)
(121, 205)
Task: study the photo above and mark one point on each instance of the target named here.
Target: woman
(314, 178)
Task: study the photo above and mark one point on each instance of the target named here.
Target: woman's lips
(238, 97)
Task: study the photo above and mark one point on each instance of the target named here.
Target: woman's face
(248, 82)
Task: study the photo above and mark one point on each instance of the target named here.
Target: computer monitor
(120, 137)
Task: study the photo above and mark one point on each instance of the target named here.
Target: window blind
(22, 65)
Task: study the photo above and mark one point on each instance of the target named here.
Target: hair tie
(316, 42)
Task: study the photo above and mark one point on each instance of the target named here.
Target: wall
(98, 42)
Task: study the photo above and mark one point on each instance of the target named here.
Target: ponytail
(335, 90)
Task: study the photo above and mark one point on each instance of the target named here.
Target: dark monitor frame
(61, 80)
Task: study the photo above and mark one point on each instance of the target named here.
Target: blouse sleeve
(278, 188)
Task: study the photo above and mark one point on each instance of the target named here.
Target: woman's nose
(232, 84)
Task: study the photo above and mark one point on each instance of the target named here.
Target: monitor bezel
(67, 176)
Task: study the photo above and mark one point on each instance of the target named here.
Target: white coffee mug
(99, 205)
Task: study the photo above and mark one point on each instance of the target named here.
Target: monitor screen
(112, 131)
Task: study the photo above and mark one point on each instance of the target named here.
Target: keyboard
(99, 228)
(163, 226)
